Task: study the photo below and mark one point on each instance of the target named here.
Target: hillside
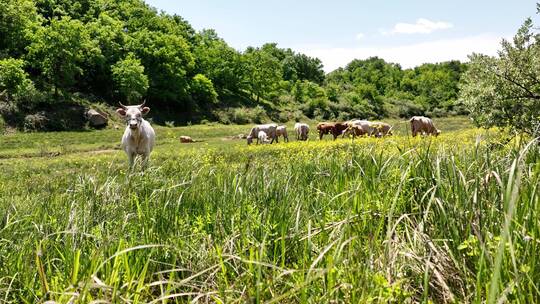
(60, 54)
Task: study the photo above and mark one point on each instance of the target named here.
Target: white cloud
(408, 55)
(422, 26)
(359, 36)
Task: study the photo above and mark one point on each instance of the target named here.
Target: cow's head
(133, 114)
(438, 132)
(249, 140)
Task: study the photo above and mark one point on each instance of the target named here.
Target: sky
(408, 32)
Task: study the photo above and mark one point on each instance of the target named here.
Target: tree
(128, 75)
(303, 67)
(202, 90)
(219, 62)
(59, 50)
(505, 91)
(17, 17)
(13, 79)
(167, 60)
(264, 72)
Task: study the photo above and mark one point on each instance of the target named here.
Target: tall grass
(452, 219)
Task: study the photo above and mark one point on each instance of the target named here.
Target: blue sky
(407, 32)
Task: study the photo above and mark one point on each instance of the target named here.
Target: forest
(58, 56)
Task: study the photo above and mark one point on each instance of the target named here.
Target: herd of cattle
(268, 133)
(139, 136)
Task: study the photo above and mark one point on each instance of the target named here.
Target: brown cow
(186, 139)
(334, 128)
(423, 125)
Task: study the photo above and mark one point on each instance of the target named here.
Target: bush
(437, 112)
(2, 125)
(258, 114)
(240, 116)
(408, 108)
(35, 122)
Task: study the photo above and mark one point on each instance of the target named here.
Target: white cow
(139, 136)
(262, 137)
(282, 131)
(269, 129)
(302, 131)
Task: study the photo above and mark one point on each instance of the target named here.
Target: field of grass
(448, 219)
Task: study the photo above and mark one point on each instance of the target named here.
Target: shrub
(437, 112)
(258, 114)
(35, 122)
(2, 125)
(240, 116)
(408, 109)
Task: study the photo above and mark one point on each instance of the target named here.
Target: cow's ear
(145, 110)
(121, 112)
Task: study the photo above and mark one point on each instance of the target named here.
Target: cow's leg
(131, 159)
(144, 160)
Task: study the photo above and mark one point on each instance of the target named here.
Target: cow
(262, 137)
(423, 125)
(335, 129)
(358, 128)
(139, 136)
(269, 129)
(381, 129)
(301, 130)
(186, 139)
(282, 131)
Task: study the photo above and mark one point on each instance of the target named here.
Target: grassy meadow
(445, 220)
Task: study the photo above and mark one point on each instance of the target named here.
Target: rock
(96, 119)
(186, 139)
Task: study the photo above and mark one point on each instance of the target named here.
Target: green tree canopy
(59, 50)
(263, 72)
(14, 80)
(504, 91)
(17, 18)
(129, 77)
(203, 90)
(221, 63)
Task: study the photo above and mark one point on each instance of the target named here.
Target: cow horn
(143, 103)
(123, 106)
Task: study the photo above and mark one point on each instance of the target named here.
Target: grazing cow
(335, 129)
(139, 136)
(269, 129)
(423, 125)
(302, 131)
(262, 137)
(282, 131)
(358, 128)
(186, 139)
(381, 129)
